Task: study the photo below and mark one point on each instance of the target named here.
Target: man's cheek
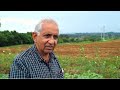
(56, 42)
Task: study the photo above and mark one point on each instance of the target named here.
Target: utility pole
(103, 33)
(0, 22)
(101, 36)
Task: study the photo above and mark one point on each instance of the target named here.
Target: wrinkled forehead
(50, 31)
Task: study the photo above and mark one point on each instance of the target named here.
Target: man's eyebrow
(50, 34)
(47, 34)
(56, 35)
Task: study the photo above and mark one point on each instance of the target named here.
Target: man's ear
(34, 36)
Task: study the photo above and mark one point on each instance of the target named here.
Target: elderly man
(39, 61)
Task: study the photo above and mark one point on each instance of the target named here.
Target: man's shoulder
(25, 54)
(54, 57)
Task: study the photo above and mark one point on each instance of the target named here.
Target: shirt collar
(52, 56)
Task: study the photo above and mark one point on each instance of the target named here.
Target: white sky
(68, 21)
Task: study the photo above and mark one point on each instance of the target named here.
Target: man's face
(47, 39)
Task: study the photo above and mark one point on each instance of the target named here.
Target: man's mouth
(49, 47)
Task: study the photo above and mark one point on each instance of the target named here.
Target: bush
(86, 75)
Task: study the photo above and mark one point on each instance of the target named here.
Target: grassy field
(79, 60)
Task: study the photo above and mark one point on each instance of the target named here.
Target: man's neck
(46, 57)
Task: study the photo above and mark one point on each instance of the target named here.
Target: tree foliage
(14, 38)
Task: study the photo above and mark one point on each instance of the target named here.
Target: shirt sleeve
(18, 70)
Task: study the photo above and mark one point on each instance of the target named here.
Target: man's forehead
(50, 31)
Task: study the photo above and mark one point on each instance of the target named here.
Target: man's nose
(51, 40)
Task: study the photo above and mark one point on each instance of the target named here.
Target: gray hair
(38, 27)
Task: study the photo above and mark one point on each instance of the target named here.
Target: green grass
(79, 67)
(3, 76)
(86, 75)
(5, 62)
(105, 67)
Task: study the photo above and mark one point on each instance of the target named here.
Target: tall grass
(5, 62)
(79, 67)
(75, 66)
(103, 67)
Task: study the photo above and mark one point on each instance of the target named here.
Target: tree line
(8, 38)
(92, 37)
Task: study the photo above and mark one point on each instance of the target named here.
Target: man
(39, 61)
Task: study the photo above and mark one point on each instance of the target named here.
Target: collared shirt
(29, 64)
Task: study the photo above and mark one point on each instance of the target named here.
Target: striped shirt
(29, 64)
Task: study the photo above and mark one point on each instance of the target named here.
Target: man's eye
(47, 36)
(55, 37)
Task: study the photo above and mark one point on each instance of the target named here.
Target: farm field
(79, 60)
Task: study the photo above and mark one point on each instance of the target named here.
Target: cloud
(18, 20)
(18, 24)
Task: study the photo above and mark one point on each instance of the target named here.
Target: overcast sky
(68, 21)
